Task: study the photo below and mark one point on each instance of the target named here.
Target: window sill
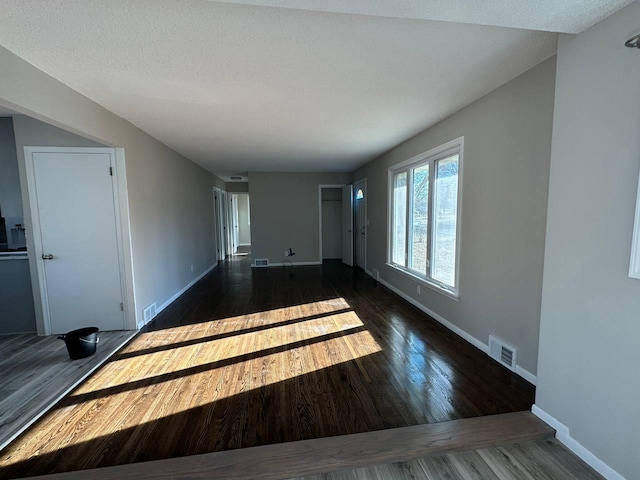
(425, 282)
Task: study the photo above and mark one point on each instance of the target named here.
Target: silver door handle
(48, 256)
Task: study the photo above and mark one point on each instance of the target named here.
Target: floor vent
(503, 353)
(149, 312)
(261, 262)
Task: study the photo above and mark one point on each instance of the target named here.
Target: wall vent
(149, 312)
(503, 353)
(375, 274)
(261, 262)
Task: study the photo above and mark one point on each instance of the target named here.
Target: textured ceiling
(564, 16)
(241, 88)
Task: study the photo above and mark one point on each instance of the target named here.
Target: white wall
(504, 198)
(244, 220)
(590, 324)
(170, 197)
(285, 213)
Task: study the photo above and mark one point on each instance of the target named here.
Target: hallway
(252, 357)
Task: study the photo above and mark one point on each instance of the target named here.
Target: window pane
(420, 218)
(445, 212)
(399, 231)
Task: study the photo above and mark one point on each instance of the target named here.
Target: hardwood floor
(539, 459)
(36, 371)
(329, 454)
(249, 358)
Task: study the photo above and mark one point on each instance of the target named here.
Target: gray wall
(505, 179)
(285, 213)
(10, 195)
(170, 197)
(331, 223)
(236, 187)
(17, 313)
(244, 223)
(590, 325)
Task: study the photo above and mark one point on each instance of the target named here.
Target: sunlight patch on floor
(181, 378)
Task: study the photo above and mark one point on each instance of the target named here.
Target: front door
(75, 212)
(361, 224)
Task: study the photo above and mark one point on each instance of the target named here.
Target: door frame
(123, 235)
(320, 187)
(221, 246)
(362, 181)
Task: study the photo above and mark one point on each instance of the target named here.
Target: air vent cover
(503, 353)
(261, 262)
(149, 312)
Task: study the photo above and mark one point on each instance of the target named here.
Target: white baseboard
(244, 244)
(528, 376)
(295, 264)
(564, 436)
(184, 289)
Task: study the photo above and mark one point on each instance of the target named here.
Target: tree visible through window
(425, 211)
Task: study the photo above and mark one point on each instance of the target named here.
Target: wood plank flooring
(249, 358)
(321, 455)
(533, 460)
(36, 371)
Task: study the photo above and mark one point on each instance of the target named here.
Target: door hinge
(111, 171)
(122, 306)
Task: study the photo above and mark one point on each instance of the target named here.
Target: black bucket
(81, 343)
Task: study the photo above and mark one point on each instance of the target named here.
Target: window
(359, 194)
(425, 216)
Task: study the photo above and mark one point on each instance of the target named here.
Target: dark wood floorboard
(256, 357)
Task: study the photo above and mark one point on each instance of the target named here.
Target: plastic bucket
(82, 342)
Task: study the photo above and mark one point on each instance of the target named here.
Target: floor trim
(63, 393)
(528, 376)
(321, 455)
(564, 436)
(184, 289)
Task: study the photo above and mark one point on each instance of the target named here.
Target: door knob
(48, 256)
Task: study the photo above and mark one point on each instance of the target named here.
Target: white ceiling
(241, 88)
(564, 16)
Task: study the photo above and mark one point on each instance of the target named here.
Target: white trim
(244, 244)
(184, 289)
(424, 281)
(122, 224)
(295, 264)
(634, 263)
(320, 187)
(563, 435)
(55, 400)
(528, 376)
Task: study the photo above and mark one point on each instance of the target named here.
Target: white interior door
(361, 224)
(347, 225)
(225, 224)
(75, 214)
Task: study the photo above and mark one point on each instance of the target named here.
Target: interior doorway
(331, 223)
(241, 223)
(360, 221)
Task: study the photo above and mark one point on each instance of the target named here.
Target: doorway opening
(241, 224)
